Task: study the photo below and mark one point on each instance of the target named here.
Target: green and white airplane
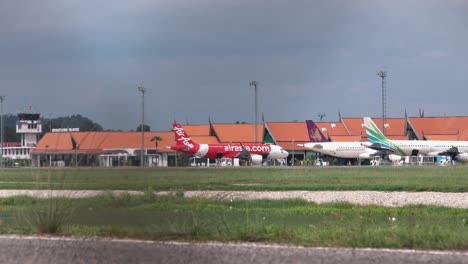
(378, 141)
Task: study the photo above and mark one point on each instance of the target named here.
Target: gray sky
(196, 59)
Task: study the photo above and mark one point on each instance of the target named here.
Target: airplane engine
(256, 159)
(462, 156)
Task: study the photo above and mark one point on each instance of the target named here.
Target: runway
(42, 250)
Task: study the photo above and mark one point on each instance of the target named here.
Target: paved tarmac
(41, 250)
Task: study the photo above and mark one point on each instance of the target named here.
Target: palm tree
(156, 139)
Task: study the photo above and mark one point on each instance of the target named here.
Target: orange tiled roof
(330, 129)
(397, 137)
(197, 130)
(290, 145)
(439, 125)
(233, 133)
(463, 135)
(102, 142)
(396, 126)
(204, 139)
(441, 137)
(287, 131)
(346, 138)
(57, 141)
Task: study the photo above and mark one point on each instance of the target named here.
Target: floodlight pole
(2, 97)
(142, 156)
(382, 75)
(292, 161)
(255, 84)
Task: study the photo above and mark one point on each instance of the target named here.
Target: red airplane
(257, 153)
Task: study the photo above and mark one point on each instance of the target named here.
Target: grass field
(446, 179)
(289, 222)
(296, 222)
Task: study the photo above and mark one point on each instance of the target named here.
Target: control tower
(29, 126)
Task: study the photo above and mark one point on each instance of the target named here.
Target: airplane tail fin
(315, 135)
(182, 138)
(378, 140)
(374, 135)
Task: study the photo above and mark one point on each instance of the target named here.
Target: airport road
(39, 250)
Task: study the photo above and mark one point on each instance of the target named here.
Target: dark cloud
(196, 58)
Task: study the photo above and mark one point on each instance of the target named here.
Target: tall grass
(294, 222)
(49, 215)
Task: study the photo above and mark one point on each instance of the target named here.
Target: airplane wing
(381, 149)
(378, 152)
(377, 146)
(244, 154)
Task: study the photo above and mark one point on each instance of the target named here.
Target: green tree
(9, 128)
(74, 121)
(146, 128)
(156, 139)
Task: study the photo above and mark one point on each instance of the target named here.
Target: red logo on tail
(181, 136)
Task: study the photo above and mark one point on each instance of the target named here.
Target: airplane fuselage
(213, 151)
(430, 147)
(353, 150)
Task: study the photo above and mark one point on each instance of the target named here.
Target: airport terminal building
(111, 149)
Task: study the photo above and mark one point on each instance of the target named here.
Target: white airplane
(319, 143)
(377, 141)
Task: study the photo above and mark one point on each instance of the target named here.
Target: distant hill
(74, 121)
